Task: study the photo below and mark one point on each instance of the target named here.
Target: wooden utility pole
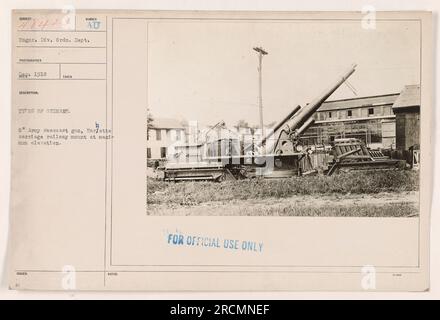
(261, 52)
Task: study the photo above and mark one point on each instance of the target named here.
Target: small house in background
(407, 111)
(162, 134)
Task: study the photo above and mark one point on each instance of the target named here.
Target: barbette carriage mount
(279, 154)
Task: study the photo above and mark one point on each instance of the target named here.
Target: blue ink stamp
(190, 240)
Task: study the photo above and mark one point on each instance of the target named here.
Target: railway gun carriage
(279, 154)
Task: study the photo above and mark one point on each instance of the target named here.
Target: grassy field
(368, 194)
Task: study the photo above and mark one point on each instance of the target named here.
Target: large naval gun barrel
(300, 118)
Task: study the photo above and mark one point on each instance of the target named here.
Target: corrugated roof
(359, 102)
(409, 97)
(166, 123)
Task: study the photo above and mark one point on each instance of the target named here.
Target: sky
(207, 71)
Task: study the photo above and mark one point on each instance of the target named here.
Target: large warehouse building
(389, 121)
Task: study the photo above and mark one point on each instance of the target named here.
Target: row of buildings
(386, 122)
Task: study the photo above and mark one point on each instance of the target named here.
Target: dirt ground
(384, 204)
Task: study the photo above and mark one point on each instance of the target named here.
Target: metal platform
(194, 171)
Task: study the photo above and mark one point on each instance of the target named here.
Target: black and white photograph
(295, 117)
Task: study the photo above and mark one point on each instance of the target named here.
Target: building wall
(389, 134)
(372, 123)
(407, 129)
(366, 111)
(159, 140)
